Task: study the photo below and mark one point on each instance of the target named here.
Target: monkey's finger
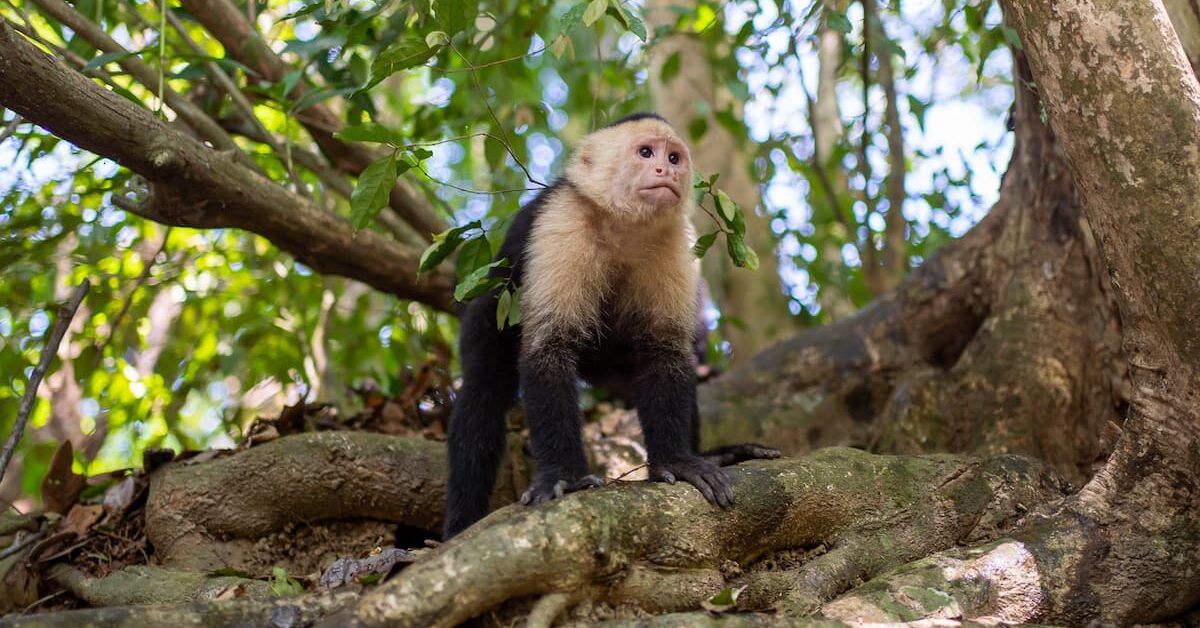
(700, 483)
(560, 488)
(667, 476)
(724, 491)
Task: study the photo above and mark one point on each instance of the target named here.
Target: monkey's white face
(660, 172)
(636, 170)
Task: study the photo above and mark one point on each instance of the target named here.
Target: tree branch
(195, 186)
(205, 126)
(65, 314)
(242, 42)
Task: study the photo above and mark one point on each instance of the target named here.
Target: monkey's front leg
(664, 390)
(549, 387)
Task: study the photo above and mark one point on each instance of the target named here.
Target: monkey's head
(636, 167)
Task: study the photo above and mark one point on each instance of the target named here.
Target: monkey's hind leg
(551, 396)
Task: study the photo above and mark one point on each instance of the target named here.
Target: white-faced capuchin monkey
(609, 291)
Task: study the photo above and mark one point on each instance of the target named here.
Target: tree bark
(1124, 549)
(974, 349)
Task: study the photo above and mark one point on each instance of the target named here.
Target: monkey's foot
(732, 454)
(711, 480)
(544, 489)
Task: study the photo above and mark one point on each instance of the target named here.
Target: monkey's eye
(645, 152)
(673, 158)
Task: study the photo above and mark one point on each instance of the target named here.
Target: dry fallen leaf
(81, 518)
(61, 486)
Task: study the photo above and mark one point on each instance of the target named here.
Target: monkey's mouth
(661, 186)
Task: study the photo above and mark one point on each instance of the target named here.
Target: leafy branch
(729, 220)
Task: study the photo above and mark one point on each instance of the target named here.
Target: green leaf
(282, 585)
(288, 83)
(475, 253)
(406, 53)
(107, 58)
(315, 96)
(838, 22)
(751, 258)
(723, 600)
(726, 206)
(478, 281)
(974, 17)
(737, 249)
(670, 67)
(697, 128)
(618, 13)
(573, 17)
(1011, 36)
(502, 308)
(595, 10)
(514, 314)
(455, 16)
(637, 27)
(437, 39)
(372, 190)
(368, 132)
(443, 245)
(704, 243)
(918, 108)
(302, 11)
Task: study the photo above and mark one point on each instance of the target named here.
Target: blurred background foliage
(189, 334)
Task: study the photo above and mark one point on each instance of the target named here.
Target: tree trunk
(972, 352)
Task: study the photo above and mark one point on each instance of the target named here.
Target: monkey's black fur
(656, 376)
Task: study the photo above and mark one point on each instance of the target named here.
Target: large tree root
(662, 548)
(215, 514)
(247, 613)
(140, 584)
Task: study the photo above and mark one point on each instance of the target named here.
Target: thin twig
(65, 314)
(621, 478)
(11, 128)
(44, 600)
(470, 191)
(499, 126)
(22, 544)
(489, 63)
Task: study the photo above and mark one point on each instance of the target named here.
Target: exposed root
(290, 611)
(662, 548)
(153, 585)
(212, 515)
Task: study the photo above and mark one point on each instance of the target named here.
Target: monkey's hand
(712, 481)
(547, 487)
(732, 454)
